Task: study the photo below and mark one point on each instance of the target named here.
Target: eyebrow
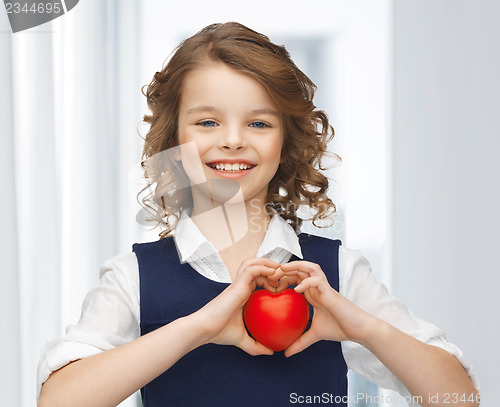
(211, 109)
(266, 111)
(202, 109)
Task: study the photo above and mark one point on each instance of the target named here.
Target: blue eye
(208, 123)
(259, 125)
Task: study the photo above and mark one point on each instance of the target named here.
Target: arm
(109, 377)
(422, 368)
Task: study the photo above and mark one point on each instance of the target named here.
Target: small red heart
(276, 319)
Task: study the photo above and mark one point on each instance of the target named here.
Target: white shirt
(111, 311)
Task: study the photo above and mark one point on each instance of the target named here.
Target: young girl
(233, 150)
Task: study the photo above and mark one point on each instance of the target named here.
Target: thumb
(254, 348)
(303, 342)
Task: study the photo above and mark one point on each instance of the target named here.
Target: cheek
(189, 135)
(191, 162)
(273, 151)
(183, 136)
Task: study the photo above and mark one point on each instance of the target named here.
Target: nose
(233, 139)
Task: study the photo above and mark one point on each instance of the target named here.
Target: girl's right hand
(109, 377)
(222, 318)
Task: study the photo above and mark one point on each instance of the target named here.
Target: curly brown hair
(298, 181)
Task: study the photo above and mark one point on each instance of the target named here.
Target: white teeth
(231, 167)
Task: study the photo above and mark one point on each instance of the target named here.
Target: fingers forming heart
(271, 282)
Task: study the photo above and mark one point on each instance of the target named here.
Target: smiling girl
(233, 115)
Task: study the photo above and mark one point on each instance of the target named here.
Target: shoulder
(354, 272)
(122, 260)
(318, 249)
(120, 274)
(351, 259)
(306, 238)
(155, 246)
(121, 266)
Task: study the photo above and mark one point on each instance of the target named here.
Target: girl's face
(236, 127)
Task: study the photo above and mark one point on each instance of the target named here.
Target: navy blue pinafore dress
(226, 376)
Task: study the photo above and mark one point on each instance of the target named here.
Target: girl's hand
(335, 317)
(222, 318)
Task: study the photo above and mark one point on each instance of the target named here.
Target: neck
(232, 224)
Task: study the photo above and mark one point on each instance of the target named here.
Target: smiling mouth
(236, 167)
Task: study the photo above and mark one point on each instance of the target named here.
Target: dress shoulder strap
(322, 251)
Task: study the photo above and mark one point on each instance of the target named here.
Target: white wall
(445, 172)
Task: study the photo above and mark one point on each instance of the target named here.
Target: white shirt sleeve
(110, 318)
(358, 284)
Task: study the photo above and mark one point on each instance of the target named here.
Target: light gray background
(445, 171)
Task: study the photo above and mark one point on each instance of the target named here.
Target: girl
(234, 149)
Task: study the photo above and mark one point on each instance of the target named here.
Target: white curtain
(70, 105)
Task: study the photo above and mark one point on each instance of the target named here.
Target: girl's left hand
(335, 317)
(221, 320)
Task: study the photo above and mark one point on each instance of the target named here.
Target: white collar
(190, 241)
(279, 235)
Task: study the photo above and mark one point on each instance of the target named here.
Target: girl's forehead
(214, 69)
(217, 82)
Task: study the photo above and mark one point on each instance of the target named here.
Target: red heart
(276, 319)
